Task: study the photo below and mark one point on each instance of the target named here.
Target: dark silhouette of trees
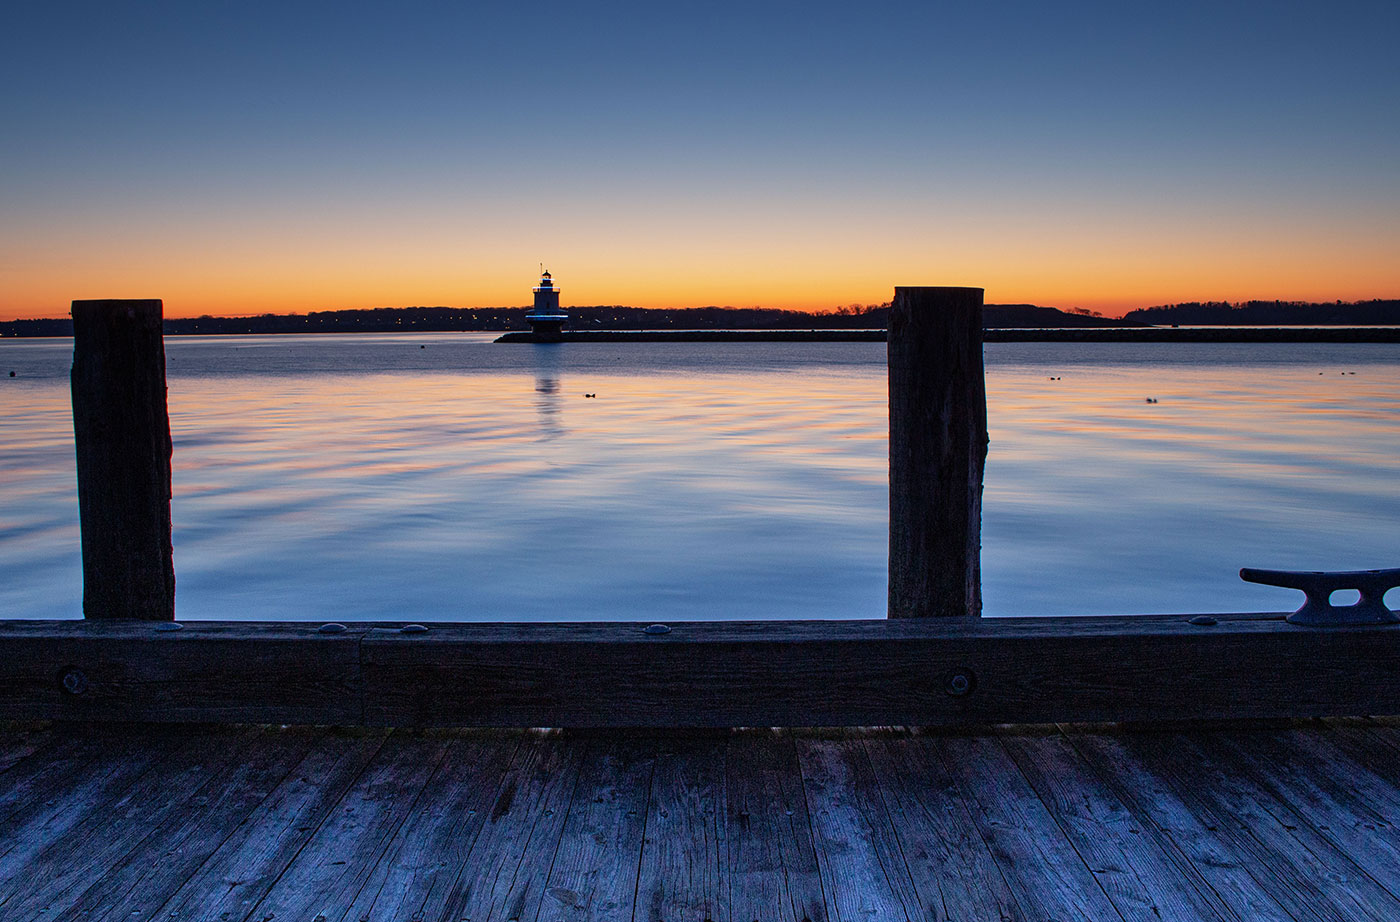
(1272, 313)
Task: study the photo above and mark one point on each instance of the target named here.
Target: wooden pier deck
(1284, 821)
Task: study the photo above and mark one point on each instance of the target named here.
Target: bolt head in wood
(960, 683)
(74, 681)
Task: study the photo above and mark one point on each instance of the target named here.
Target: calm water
(444, 477)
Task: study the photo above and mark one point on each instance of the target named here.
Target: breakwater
(1045, 335)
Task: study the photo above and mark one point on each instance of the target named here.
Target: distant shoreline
(1084, 335)
(1284, 334)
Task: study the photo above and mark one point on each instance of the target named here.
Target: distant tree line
(1272, 313)
(598, 317)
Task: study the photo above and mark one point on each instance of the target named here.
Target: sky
(256, 157)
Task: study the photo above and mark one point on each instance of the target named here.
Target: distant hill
(598, 317)
(1029, 316)
(1272, 313)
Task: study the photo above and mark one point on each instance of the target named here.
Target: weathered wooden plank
(948, 861)
(714, 674)
(74, 781)
(243, 868)
(1374, 744)
(504, 875)
(594, 875)
(66, 865)
(683, 875)
(332, 867)
(122, 434)
(1339, 799)
(938, 447)
(1301, 870)
(207, 671)
(773, 872)
(1137, 865)
(432, 844)
(27, 785)
(141, 881)
(1048, 877)
(1198, 838)
(19, 744)
(864, 875)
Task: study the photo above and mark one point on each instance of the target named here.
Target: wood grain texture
(703, 674)
(1306, 873)
(503, 877)
(1140, 871)
(122, 434)
(259, 850)
(773, 872)
(594, 874)
(65, 865)
(207, 671)
(1280, 823)
(336, 862)
(683, 875)
(176, 847)
(21, 743)
(1338, 798)
(1048, 876)
(65, 791)
(864, 873)
(948, 860)
(432, 844)
(27, 784)
(1197, 837)
(938, 448)
(877, 673)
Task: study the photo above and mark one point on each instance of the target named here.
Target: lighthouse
(546, 318)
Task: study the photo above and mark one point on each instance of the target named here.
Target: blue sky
(201, 146)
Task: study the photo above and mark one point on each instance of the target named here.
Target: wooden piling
(938, 446)
(122, 430)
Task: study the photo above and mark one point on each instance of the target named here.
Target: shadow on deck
(1288, 821)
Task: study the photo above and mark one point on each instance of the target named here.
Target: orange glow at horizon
(754, 259)
(1112, 293)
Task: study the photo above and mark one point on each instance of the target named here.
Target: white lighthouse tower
(546, 317)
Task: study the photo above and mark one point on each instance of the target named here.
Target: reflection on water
(547, 365)
(366, 477)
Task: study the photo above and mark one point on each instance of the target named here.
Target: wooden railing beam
(701, 674)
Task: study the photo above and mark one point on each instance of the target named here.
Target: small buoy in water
(422, 347)
(1151, 399)
(12, 374)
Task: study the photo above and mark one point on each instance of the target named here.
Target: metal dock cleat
(1318, 586)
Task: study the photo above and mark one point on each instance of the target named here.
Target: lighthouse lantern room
(546, 318)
